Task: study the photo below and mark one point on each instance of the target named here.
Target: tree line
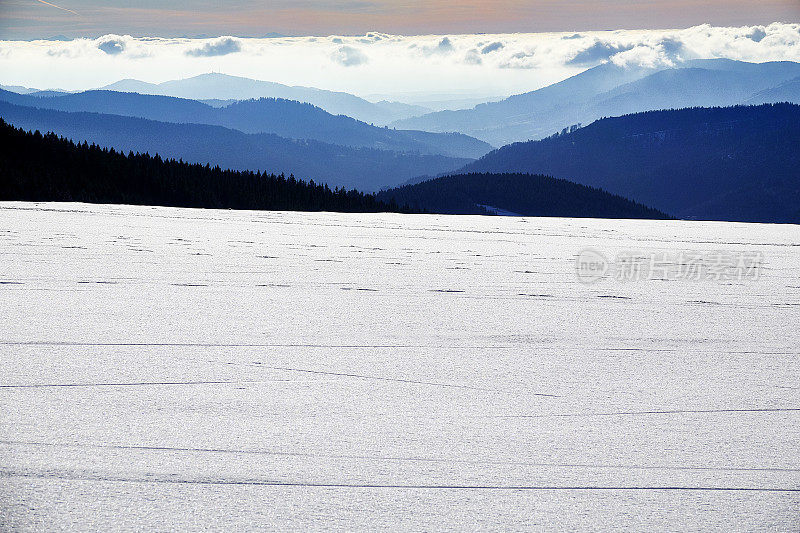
(524, 194)
(46, 167)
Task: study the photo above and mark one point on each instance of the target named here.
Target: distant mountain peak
(606, 90)
(224, 87)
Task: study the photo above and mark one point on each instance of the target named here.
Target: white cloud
(112, 46)
(349, 57)
(597, 52)
(473, 58)
(389, 64)
(221, 47)
(440, 46)
(493, 47)
(642, 56)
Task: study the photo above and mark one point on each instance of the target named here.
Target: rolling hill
(365, 169)
(285, 118)
(738, 163)
(610, 90)
(46, 168)
(49, 168)
(788, 91)
(224, 87)
(520, 194)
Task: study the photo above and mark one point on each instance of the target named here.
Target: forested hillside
(38, 167)
(737, 163)
(522, 194)
(286, 118)
(361, 168)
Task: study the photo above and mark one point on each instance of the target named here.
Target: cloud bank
(349, 56)
(222, 47)
(111, 46)
(499, 64)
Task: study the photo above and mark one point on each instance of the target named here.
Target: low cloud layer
(111, 46)
(349, 57)
(498, 64)
(489, 48)
(597, 52)
(221, 47)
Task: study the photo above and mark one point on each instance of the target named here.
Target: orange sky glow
(27, 19)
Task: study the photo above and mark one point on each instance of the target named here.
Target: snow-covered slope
(182, 369)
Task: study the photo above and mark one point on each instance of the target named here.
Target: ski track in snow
(206, 351)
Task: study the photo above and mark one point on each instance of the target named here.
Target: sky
(405, 50)
(37, 19)
(385, 64)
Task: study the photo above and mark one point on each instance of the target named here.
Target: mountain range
(612, 90)
(700, 160)
(46, 168)
(18, 89)
(366, 169)
(788, 91)
(738, 163)
(224, 87)
(285, 118)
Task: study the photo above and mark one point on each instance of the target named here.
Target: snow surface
(169, 369)
(498, 211)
